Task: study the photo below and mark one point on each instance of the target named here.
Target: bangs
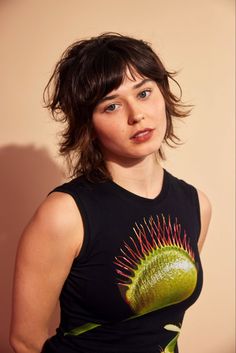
(90, 70)
(107, 71)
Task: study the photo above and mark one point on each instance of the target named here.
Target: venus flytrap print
(157, 269)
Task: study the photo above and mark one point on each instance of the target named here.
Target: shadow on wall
(27, 175)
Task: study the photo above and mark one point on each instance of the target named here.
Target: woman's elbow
(21, 345)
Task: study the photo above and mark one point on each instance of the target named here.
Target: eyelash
(146, 90)
(107, 110)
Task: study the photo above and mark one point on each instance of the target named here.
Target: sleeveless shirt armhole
(196, 203)
(84, 217)
(197, 206)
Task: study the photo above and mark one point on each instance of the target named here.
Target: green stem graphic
(81, 329)
(170, 348)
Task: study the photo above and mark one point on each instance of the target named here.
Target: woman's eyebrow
(107, 98)
(140, 84)
(137, 85)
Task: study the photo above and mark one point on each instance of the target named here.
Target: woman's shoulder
(58, 208)
(200, 199)
(190, 190)
(74, 183)
(181, 186)
(184, 185)
(57, 220)
(204, 201)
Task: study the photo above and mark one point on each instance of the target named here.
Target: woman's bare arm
(46, 251)
(205, 210)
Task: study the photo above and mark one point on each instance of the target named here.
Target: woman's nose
(135, 115)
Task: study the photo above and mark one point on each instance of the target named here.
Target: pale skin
(50, 242)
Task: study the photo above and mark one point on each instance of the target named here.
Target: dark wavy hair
(87, 71)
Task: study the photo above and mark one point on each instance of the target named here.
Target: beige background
(193, 36)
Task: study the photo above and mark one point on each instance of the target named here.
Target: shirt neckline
(130, 195)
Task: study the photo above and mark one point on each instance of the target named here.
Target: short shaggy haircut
(87, 71)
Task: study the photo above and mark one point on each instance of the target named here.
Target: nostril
(136, 118)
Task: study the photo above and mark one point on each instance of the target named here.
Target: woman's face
(130, 122)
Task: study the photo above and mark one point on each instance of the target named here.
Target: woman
(119, 244)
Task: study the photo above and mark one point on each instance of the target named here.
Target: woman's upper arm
(205, 213)
(46, 251)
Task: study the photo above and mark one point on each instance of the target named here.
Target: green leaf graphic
(81, 329)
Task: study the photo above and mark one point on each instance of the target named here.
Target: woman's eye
(111, 107)
(144, 93)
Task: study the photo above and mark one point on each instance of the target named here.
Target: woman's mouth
(142, 135)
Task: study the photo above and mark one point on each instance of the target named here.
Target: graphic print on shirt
(170, 348)
(157, 269)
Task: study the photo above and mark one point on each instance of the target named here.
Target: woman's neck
(143, 178)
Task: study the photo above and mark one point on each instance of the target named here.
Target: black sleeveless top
(137, 272)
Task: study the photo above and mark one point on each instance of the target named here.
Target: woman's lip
(142, 135)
